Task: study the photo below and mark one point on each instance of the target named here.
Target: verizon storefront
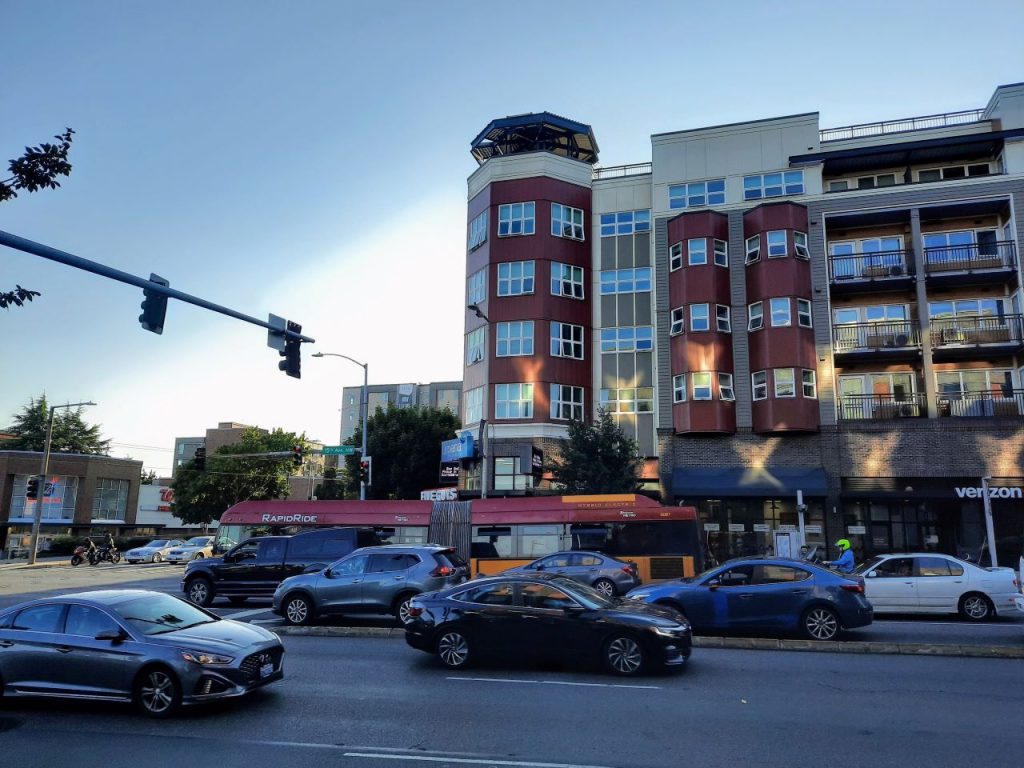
(890, 514)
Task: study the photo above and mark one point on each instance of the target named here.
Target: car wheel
(158, 558)
(400, 608)
(606, 587)
(976, 607)
(453, 649)
(200, 591)
(623, 655)
(297, 610)
(820, 623)
(157, 692)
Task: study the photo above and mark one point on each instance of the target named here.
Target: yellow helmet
(843, 544)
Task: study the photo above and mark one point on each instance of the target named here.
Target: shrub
(64, 545)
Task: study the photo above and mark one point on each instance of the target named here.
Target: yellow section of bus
(650, 568)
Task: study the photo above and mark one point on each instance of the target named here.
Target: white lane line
(262, 621)
(1017, 625)
(555, 682)
(243, 614)
(604, 685)
(468, 761)
(493, 680)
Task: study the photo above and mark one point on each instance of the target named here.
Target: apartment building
(436, 394)
(766, 307)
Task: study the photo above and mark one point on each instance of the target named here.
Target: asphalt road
(367, 703)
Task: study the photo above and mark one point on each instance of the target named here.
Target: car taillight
(415, 610)
(859, 588)
(442, 570)
(630, 569)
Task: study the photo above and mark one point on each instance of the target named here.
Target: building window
(475, 343)
(566, 280)
(567, 340)
(60, 493)
(954, 172)
(723, 318)
(677, 321)
(753, 249)
(477, 291)
(759, 385)
(508, 476)
(699, 318)
(478, 231)
(810, 384)
(639, 400)
(626, 280)
(111, 499)
(474, 399)
(721, 253)
(515, 338)
(697, 251)
(675, 257)
(513, 401)
(777, 244)
(515, 278)
(756, 314)
(566, 402)
(785, 383)
(697, 194)
(625, 222)
(566, 221)
(701, 386)
(773, 185)
(679, 388)
(800, 245)
(627, 339)
(515, 219)
(781, 316)
(725, 389)
(803, 313)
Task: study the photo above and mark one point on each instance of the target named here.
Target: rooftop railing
(885, 127)
(618, 171)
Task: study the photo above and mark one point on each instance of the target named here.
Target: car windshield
(867, 565)
(158, 543)
(157, 614)
(589, 596)
(198, 541)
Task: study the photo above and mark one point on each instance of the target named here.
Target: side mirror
(328, 573)
(114, 635)
(539, 567)
(872, 574)
(714, 584)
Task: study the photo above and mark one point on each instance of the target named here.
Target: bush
(64, 545)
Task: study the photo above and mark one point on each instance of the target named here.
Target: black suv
(256, 566)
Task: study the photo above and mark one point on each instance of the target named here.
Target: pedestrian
(844, 563)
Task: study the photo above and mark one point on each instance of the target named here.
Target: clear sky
(310, 159)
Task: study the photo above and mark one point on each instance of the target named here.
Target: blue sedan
(766, 593)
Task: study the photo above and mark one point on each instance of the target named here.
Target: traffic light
(32, 490)
(366, 470)
(292, 363)
(154, 306)
(297, 456)
(200, 459)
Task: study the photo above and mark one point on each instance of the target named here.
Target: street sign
(339, 450)
(275, 335)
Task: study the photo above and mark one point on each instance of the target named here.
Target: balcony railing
(965, 331)
(886, 127)
(856, 337)
(882, 265)
(983, 404)
(866, 407)
(618, 171)
(959, 258)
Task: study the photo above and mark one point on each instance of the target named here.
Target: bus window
(539, 540)
(590, 537)
(650, 538)
(500, 538)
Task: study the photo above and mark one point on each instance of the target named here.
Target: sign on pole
(339, 450)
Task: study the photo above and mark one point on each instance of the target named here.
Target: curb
(738, 643)
(26, 567)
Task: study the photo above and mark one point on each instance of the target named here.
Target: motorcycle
(107, 554)
(84, 552)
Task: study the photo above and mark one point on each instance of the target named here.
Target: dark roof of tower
(536, 132)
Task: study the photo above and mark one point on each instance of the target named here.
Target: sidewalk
(44, 562)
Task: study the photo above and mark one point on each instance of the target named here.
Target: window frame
(679, 388)
(613, 279)
(509, 281)
(772, 310)
(558, 402)
(725, 384)
(560, 341)
(762, 186)
(476, 288)
(727, 318)
(753, 253)
(751, 315)
(527, 220)
(523, 400)
(776, 383)
(785, 243)
(560, 278)
(801, 247)
(801, 313)
(613, 405)
(812, 383)
(723, 252)
(522, 338)
(625, 222)
(704, 376)
(675, 256)
(706, 308)
(677, 321)
(471, 407)
(693, 249)
(559, 222)
(477, 235)
(627, 342)
(472, 346)
(679, 195)
(755, 385)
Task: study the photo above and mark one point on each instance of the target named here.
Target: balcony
(620, 171)
(958, 338)
(904, 125)
(899, 340)
(1004, 403)
(872, 272)
(881, 407)
(978, 264)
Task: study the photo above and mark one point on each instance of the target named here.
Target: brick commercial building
(767, 307)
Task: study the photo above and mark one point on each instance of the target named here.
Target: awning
(693, 482)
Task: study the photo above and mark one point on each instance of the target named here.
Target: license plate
(266, 670)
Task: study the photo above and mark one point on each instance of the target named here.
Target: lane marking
(1017, 625)
(469, 761)
(264, 621)
(243, 614)
(554, 682)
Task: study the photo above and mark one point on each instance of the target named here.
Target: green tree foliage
(597, 458)
(71, 434)
(148, 478)
(201, 497)
(330, 488)
(405, 444)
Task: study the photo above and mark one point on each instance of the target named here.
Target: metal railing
(869, 407)
(1004, 402)
(903, 125)
(900, 334)
(957, 258)
(960, 331)
(618, 171)
(882, 265)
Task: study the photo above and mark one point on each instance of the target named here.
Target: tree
(201, 497)
(70, 432)
(597, 458)
(148, 478)
(329, 489)
(38, 168)
(405, 444)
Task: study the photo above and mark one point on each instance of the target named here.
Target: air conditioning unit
(953, 336)
(896, 270)
(897, 340)
(905, 409)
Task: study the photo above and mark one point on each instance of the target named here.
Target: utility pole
(990, 531)
(364, 402)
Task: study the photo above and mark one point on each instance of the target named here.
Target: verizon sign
(994, 492)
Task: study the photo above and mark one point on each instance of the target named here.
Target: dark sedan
(604, 573)
(546, 616)
(131, 645)
(762, 593)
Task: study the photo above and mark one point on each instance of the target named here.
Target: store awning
(703, 482)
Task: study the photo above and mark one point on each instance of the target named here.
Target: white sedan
(195, 548)
(154, 552)
(935, 583)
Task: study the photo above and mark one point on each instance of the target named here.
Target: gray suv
(370, 580)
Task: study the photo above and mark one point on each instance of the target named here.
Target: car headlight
(670, 631)
(201, 657)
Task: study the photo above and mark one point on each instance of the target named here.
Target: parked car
(541, 615)
(154, 552)
(195, 548)
(256, 566)
(604, 573)
(766, 593)
(370, 580)
(149, 648)
(935, 583)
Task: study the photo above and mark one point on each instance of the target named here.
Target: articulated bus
(495, 534)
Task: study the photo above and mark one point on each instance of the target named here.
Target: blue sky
(310, 159)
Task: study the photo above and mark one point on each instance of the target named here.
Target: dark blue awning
(701, 482)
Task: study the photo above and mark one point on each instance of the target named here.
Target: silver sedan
(604, 573)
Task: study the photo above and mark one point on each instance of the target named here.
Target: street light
(475, 309)
(44, 468)
(364, 400)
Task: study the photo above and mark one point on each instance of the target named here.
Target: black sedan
(541, 615)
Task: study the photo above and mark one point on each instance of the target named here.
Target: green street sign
(339, 450)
